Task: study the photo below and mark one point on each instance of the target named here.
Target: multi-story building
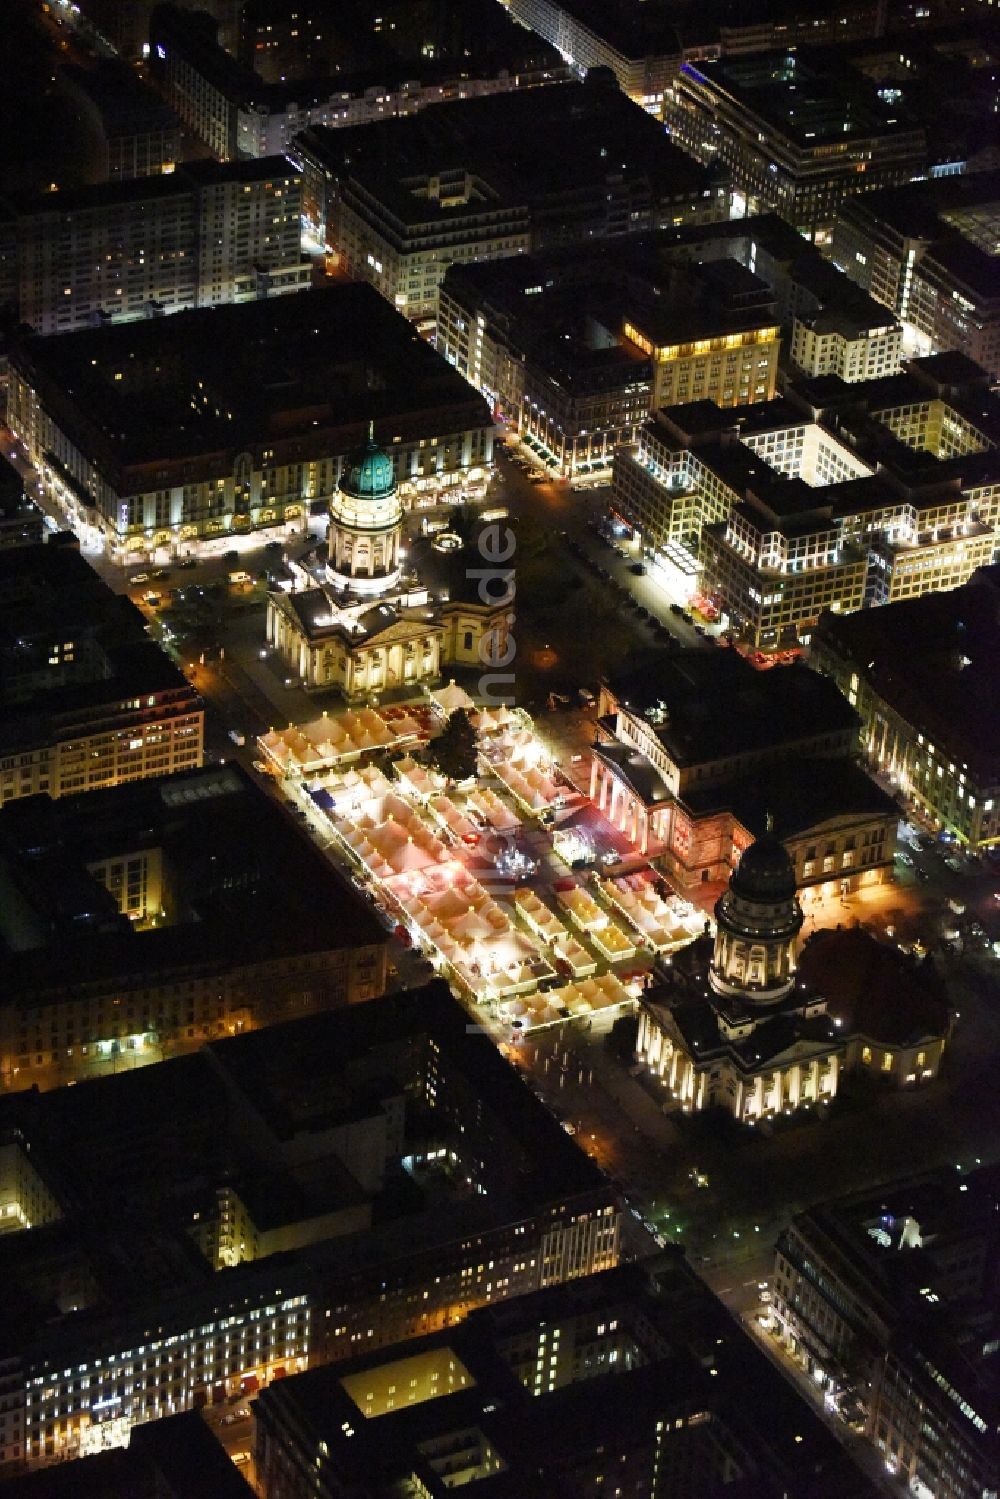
(600, 1383)
(288, 1139)
(888, 1298)
(573, 351)
(837, 496)
(743, 1029)
(237, 114)
(156, 435)
(400, 201)
(88, 699)
(927, 251)
(137, 135)
(797, 132)
(852, 343)
(402, 233)
(128, 921)
(695, 761)
(200, 236)
(363, 631)
(920, 674)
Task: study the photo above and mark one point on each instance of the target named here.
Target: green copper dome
(368, 473)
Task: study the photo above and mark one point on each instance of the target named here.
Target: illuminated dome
(366, 521)
(764, 872)
(368, 473)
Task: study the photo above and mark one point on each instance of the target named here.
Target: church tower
(366, 523)
(758, 923)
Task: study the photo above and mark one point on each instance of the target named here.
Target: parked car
(639, 568)
(137, 579)
(188, 562)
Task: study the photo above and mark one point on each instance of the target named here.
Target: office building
(928, 252)
(692, 762)
(156, 435)
(852, 344)
(201, 236)
(838, 496)
(88, 700)
(888, 1299)
(278, 1200)
(739, 1026)
(382, 71)
(573, 350)
(136, 134)
(399, 202)
(921, 675)
(796, 131)
(598, 1384)
(140, 923)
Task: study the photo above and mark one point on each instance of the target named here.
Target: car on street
(272, 546)
(188, 562)
(138, 578)
(639, 568)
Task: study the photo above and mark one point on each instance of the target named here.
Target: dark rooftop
(936, 661)
(298, 372)
(875, 990)
(710, 705)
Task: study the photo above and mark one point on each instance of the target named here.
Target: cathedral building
(361, 632)
(740, 1028)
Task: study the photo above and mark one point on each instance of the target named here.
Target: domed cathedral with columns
(366, 524)
(367, 629)
(736, 1028)
(740, 1026)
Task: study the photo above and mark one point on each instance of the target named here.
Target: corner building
(154, 437)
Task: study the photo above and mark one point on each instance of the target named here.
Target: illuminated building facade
(927, 251)
(156, 436)
(691, 763)
(759, 1031)
(921, 677)
(797, 132)
(876, 1296)
(88, 700)
(838, 496)
(753, 1042)
(599, 1383)
(200, 236)
(273, 1261)
(573, 351)
(839, 342)
(240, 113)
(159, 957)
(343, 635)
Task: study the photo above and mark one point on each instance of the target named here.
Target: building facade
(153, 438)
(826, 133)
(839, 496)
(88, 700)
(927, 251)
(920, 676)
(875, 1296)
(200, 236)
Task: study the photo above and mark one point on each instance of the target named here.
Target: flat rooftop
(813, 98)
(592, 134)
(934, 660)
(710, 705)
(296, 373)
(230, 901)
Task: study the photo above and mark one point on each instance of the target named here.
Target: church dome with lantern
(758, 921)
(366, 521)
